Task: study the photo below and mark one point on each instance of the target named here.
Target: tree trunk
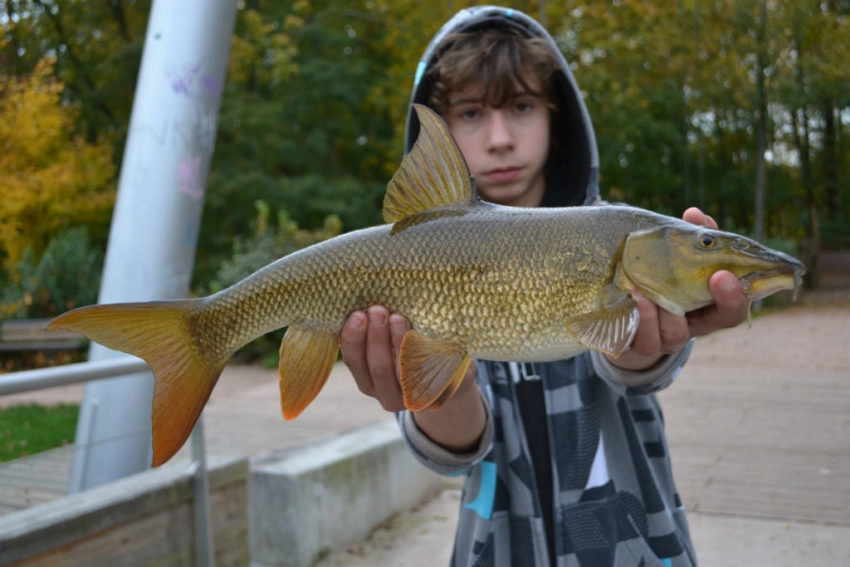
(830, 160)
(761, 93)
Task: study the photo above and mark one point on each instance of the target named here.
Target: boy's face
(506, 148)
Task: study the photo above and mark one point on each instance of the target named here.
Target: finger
(399, 326)
(381, 360)
(352, 342)
(673, 330)
(695, 216)
(731, 301)
(729, 310)
(647, 339)
(392, 398)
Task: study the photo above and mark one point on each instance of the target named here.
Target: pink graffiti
(189, 177)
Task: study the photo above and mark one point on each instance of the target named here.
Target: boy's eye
(469, 113)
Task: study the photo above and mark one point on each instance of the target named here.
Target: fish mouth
(761, 284)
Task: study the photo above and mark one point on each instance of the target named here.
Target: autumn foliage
(51, 178)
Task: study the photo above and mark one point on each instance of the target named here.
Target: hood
(573, 175)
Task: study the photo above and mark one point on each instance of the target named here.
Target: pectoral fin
(431, 370)
(610, 329)
(307, 357)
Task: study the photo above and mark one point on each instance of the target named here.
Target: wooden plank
(30, 334)
(141, 520)
(762, 436)
(42, 345)
(165, 537)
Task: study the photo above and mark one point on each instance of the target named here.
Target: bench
(29, 335)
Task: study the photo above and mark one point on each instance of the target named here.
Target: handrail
(40, 378)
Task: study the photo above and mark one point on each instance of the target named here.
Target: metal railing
(40, 378)
(29, 380)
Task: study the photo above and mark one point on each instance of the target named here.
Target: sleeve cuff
(438, 458)
(642, 382)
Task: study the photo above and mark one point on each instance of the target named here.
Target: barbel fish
(476, 280)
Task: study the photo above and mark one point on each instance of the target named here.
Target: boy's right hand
(370, 342)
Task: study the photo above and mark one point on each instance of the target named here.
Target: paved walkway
(758, 423)
(759, 428)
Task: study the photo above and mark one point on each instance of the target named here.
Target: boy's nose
(499, 137)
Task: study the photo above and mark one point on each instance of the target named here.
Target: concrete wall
(308, 502)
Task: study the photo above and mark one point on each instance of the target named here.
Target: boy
(566, 462)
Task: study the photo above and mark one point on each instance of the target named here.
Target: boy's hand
(370, 342)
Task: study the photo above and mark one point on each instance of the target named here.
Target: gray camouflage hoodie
(573, 467)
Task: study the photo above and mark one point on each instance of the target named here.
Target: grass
(30, 429)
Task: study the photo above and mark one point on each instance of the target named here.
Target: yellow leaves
(49, 177)
(262, 53)
(22, 119)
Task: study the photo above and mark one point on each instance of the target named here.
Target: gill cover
(671, 265)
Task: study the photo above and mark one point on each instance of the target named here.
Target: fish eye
(706, 240)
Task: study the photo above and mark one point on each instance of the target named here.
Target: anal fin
(431, 370)
(307, 357)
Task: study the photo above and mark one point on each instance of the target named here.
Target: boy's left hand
(661, 332)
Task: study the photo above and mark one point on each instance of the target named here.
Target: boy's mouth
(502, 175)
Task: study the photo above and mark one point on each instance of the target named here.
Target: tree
(316, 97)
(629, 59)
(97, 49)
(51, 177)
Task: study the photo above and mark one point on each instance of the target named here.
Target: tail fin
(159, 333)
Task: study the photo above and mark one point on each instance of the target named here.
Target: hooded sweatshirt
(573, 467)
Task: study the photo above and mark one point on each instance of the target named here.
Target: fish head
(671, 264)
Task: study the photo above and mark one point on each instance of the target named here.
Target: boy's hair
(501, 59)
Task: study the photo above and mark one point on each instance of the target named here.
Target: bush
(66, 276)
(229, 208)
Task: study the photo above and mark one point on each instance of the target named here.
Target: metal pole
(204, 549)
(157, 215)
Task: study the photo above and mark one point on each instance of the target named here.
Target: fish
(476, 280)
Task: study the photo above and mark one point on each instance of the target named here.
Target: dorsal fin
(433, 174)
